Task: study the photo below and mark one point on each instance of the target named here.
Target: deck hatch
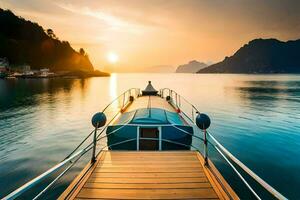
(145, 135)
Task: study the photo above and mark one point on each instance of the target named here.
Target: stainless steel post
(123, 100)
(193, 114)
(94, 145)
(205, 148)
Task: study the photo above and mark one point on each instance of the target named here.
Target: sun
(112, 57)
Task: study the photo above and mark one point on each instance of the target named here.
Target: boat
(27, 74)
(45, 73)
(150, 144)
(150, 117)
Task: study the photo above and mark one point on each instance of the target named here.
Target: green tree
(50, 33)
(81, 51)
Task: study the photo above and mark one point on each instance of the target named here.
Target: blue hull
(171, 138)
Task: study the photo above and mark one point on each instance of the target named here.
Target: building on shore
(45, 72)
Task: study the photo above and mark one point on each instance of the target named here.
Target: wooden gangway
(149, 175)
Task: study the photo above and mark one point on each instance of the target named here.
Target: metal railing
(189, 111)
(123, 100)
(228, 156)
(180, 103)
(112, 110)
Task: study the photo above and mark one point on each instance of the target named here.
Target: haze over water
(257, 117)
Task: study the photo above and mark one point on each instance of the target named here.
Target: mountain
(24, 42)
(192, 67)
(261, 56)
(160, 69)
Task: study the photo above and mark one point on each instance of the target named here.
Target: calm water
(257, 117)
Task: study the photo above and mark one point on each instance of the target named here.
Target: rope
(187, 132)
(114, 131)
(79, 145)
(122, 95)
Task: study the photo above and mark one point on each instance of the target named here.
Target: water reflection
(113, 86)
(259, 92)
(24, 92)
(41, 121)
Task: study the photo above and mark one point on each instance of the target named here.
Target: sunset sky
(136, 35)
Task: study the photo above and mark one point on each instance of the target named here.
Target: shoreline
(70, 75)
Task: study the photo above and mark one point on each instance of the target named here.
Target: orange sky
(147, 34)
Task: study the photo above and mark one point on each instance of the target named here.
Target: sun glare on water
(112, 57)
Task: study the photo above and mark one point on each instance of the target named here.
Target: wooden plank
(174, 156)
(155, 153)
(163, 165)
(147, 186)
(147, 162)
(222, 188)
(139, 159)
(162, 199)
(147, 193)
(149, 175)
(150, 153)
(79, 181)
(147, 180)
(150, 169)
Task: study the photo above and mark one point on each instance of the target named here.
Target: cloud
(112, 22)
(146, 33)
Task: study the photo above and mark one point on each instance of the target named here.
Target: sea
(255, 117)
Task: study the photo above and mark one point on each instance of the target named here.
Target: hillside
(191, 67)
(24, 42)
(261, 56)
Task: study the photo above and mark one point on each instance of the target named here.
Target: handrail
(178, 103)
(239, 163)
(192, 135)
(264, 184)
(155, 139)
(57, 178)
(16, 193)
(239, 174)
(129, 90)
(41, 177)
(181, 97)
(222, 150)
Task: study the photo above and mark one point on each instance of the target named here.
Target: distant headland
(28, 50)
(191, 67)
(261, 56)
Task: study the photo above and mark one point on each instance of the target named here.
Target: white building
(45, 72)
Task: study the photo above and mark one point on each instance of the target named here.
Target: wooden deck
(156, 102)
(149, 175)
